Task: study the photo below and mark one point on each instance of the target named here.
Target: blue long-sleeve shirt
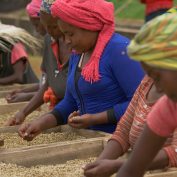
(120, 77)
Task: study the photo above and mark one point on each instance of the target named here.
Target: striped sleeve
(122, 131)
(171, 150)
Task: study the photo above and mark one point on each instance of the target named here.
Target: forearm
(113, 150)
(160, 161)
(10, 80)
(30, 95)
(147, 146)
(99, 118)
(47, 121)
(35, 102)
(33, 88)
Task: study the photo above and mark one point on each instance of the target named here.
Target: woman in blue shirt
(101, 79)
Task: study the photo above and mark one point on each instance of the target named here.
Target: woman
(159, 61)
(155, 8)
(33, 9)
(128, 131)
(54, 66)
(14, 64)
(97, 84)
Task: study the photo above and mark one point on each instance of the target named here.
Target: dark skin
(38, 26)
(26, 95)
(108, 162)
(20, 95)
(149, 143)
(75, 41)
(17, 76)
(51, 27)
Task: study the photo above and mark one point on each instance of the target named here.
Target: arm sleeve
(121, 134)
(171, 150)
(67, 105)
(18, 52)
(128, 76)
(162, 120)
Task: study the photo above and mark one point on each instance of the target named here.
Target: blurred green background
(130, 9)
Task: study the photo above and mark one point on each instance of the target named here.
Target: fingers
(29, 131)
(91, 171)
(10, 122)
(73, 115)
(22, 130)
(75, 119)
(76, 122)
(11, 99)
(90, 166)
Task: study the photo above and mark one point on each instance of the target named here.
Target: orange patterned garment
(132, 123)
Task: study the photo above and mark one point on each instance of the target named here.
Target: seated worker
(14, 64)
(19, 95)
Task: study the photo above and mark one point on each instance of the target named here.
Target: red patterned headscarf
(33, 8)
(93, 15)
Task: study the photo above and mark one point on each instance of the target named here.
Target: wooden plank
(64, 128)
(53, 153)
(128, 32)
(7, 108)
(3, 94)
(163, 174)
(15, 86)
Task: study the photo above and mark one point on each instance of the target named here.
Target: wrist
(117, 164)
(99, 118)
(47, 121)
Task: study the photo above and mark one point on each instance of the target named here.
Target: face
(50, 25)
(38, 26)
(164, 80)
(78, 39)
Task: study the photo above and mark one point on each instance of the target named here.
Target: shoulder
(118, 42)
(146, 84)
(117, 46)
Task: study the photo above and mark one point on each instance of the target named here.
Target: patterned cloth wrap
(93, 16)
(49, 96)
(33, 8)
(46, 5)
(156, 43)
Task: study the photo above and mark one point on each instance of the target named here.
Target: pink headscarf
(33, 8)
(93, 15)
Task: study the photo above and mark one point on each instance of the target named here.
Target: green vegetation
(130, 9)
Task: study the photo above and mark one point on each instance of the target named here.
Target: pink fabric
(55, 49)
(18, 52)
(93, 15)
(162, 120)
(154, 5)
(33, 8)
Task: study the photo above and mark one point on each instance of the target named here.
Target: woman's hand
(16, 120)
(77, 121)
(28, 131)
(102, 168)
